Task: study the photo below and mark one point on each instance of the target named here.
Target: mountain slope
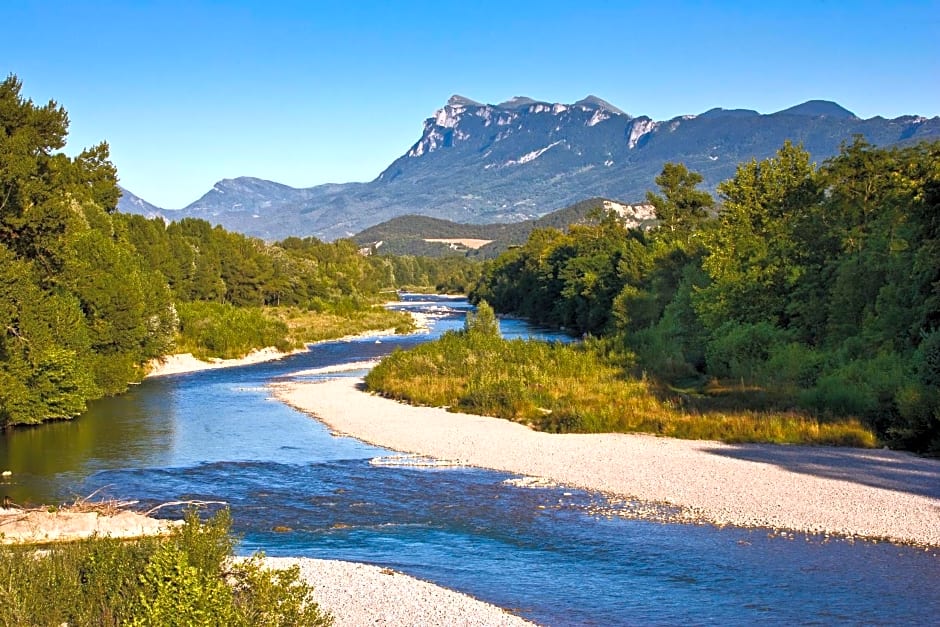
(482, 163)
(130, 203)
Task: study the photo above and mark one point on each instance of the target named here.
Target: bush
(740, 350)
(792, 364)
(661, 352)
(865, 388)
(482, 322)
(927, 360)
(917, 427)
(186, 579)
(229, 332)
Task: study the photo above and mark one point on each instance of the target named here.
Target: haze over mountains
(481, 163)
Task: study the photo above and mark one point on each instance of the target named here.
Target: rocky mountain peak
(500, 163)
(460, 101)
(594, 101)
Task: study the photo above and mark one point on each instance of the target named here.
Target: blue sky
(303, 93)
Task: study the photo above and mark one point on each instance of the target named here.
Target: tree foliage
(79, 310)
(820, 285)
(89, 295)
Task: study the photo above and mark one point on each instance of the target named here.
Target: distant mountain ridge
(129, 203)
(484, 163)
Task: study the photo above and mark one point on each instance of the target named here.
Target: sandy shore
(183, 363)
(361, 594)
(851, 492)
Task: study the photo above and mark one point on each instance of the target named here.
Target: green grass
(188, 578)
(314, 326)
(217, 330)
(563, 388)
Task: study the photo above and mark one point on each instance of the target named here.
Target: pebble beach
(361, 594)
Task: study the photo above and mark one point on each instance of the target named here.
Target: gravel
(876, 494)
(362, 594)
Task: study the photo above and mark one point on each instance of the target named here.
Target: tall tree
(752, 257)
(681, 207)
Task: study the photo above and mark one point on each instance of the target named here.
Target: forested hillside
(815, 287)
(89, 295)
(412, 234)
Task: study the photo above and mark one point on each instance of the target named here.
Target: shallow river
(554, 555)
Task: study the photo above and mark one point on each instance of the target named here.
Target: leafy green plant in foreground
(189, 578)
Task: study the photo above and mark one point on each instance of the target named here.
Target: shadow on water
(890, 470)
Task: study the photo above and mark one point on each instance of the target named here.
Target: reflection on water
(128, 429)
(553, 554)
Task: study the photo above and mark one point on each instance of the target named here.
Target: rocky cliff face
(479, 163)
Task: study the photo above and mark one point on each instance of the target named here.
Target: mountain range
(520, 159)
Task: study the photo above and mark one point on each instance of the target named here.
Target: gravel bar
(362, 594)
(875, 494)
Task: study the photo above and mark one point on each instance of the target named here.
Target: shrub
(792, 364)
(482, 322)
(222, 330)
(918, 425)
(863, 387)
(188, 578)
(173, 591)
(927, 359)
(740, 350)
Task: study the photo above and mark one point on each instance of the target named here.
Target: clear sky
(307, 92)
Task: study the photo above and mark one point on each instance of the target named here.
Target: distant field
(465, 242)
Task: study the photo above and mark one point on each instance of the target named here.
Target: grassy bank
(209, 330)
(186, 579)
(314, 326)
(562, 388)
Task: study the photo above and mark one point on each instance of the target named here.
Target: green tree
(44, 372)
(752, 258)
(482, 322)
(79, 313)
(681, 207)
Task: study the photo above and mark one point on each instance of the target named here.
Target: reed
(572, 388)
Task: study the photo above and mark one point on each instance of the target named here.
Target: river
(556, 556)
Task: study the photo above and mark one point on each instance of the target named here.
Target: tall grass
(313, 326)
(220, 330)
(209, 330)
(565, 388)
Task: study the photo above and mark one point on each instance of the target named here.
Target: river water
(554, 555)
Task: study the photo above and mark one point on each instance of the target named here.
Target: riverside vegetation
(89, 295)
(189, 578)
(803, 307)
(565, 388)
